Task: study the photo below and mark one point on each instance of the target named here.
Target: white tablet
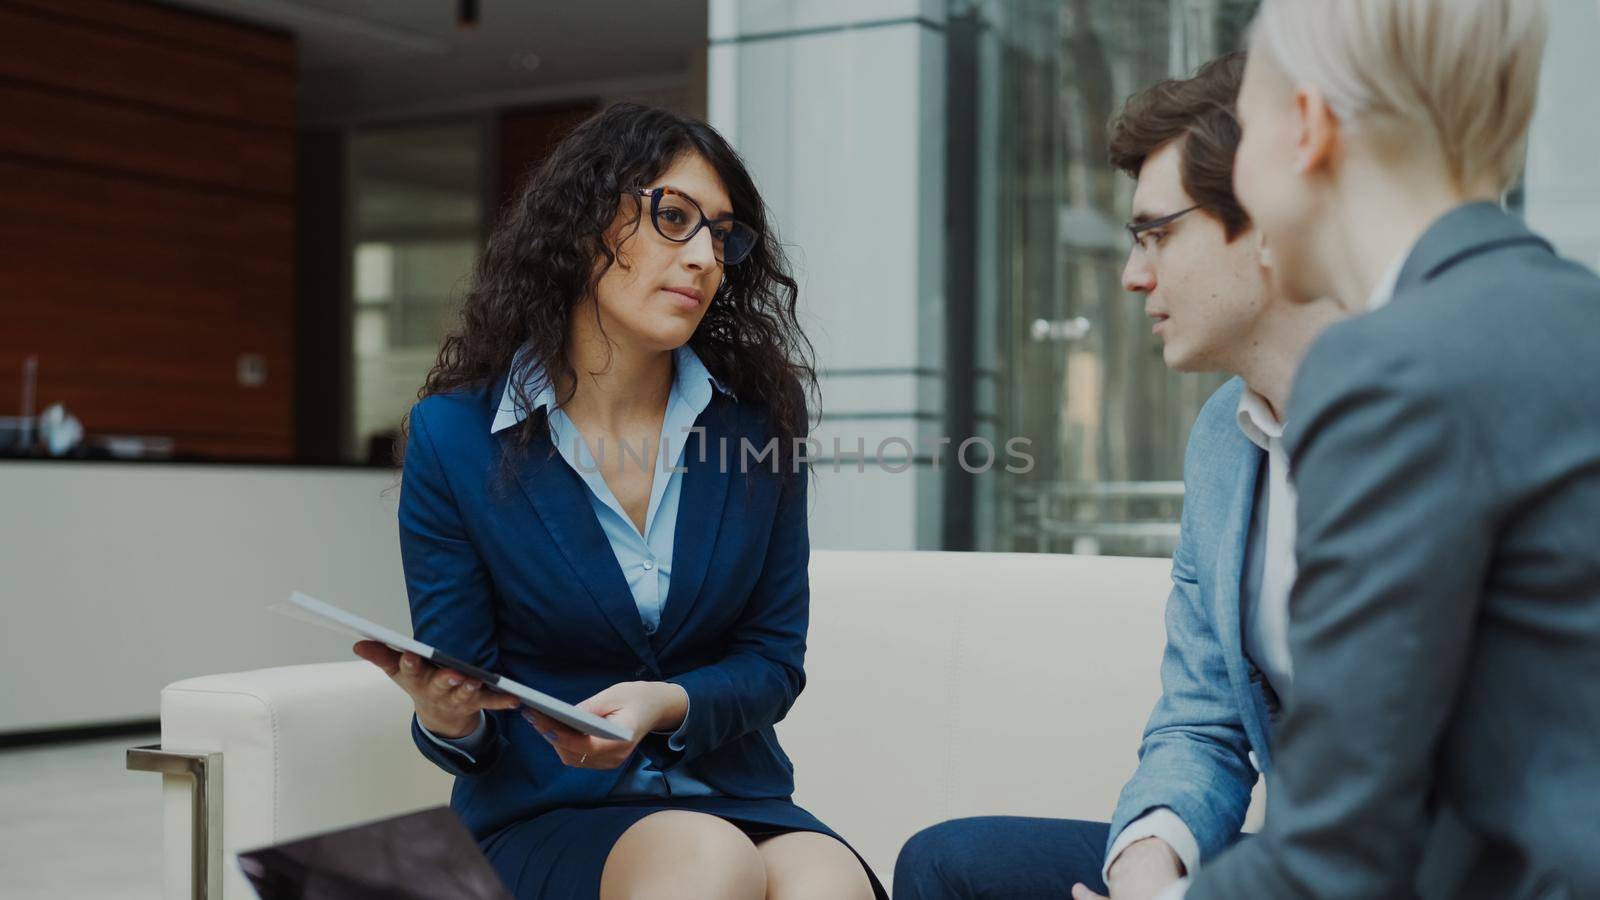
(310, 609)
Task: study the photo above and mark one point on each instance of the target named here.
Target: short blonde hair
(1465, 72)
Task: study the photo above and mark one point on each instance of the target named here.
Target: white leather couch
(940, 685)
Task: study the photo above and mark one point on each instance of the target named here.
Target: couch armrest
(308, 749)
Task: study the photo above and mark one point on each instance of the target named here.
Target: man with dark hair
(1201, 268)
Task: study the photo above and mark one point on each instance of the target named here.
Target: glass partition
(417, 209)
(1074, 366)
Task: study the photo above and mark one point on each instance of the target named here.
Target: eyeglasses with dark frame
(670, 212)
(1137, 230)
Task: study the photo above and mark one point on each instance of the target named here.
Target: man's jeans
(999, 857)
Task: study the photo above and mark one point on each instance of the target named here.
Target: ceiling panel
(361, 59)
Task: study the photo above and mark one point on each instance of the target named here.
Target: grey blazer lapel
(1460, 234)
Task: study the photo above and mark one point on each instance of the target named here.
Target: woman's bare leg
(804, 865)
(677, 855)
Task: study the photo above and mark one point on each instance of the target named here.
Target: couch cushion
(955, 684)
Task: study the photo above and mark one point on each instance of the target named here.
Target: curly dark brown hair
(549, 250)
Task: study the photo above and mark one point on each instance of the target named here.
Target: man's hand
(1141, 871)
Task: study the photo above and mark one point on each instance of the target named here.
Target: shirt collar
(691, 381)
(1384, 292)
(1257, 421)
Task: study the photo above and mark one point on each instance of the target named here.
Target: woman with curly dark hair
(602, 498)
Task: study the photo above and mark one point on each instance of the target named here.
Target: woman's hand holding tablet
(638, 706)
(448, 692)
(447, 701)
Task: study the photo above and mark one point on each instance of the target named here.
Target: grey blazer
(1443, 734)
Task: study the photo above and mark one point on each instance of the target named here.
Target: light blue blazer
(1214, 710)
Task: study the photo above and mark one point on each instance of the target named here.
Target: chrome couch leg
(205, 854)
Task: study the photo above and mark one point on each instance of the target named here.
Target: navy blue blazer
(508, 568)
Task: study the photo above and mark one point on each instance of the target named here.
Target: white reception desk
(118, 578)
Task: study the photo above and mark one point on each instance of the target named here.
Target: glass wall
(417, 201)
(1074, 366)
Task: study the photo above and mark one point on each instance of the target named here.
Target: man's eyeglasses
(678, 219)
(1139, 230)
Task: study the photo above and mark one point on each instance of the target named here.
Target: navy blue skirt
(561, 854)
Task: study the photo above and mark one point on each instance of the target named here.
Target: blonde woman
(1443, 735)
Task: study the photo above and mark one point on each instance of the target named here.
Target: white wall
(1563, 178)
(117, 579)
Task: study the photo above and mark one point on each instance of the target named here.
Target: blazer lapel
(700, 510)
(1460, 234)
(559, 498)
(1229, 600)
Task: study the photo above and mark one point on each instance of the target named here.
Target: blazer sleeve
(1395, 533)
(755, 684)
(452, 598)
(1194, 759)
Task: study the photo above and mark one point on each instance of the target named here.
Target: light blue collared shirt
(645, 557)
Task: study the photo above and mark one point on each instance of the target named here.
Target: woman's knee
(806, 865)
(675, 854)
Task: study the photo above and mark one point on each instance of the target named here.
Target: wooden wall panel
(526, 137)
(177, 28)
(147, 221)
(142, 141)
(68, 55)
